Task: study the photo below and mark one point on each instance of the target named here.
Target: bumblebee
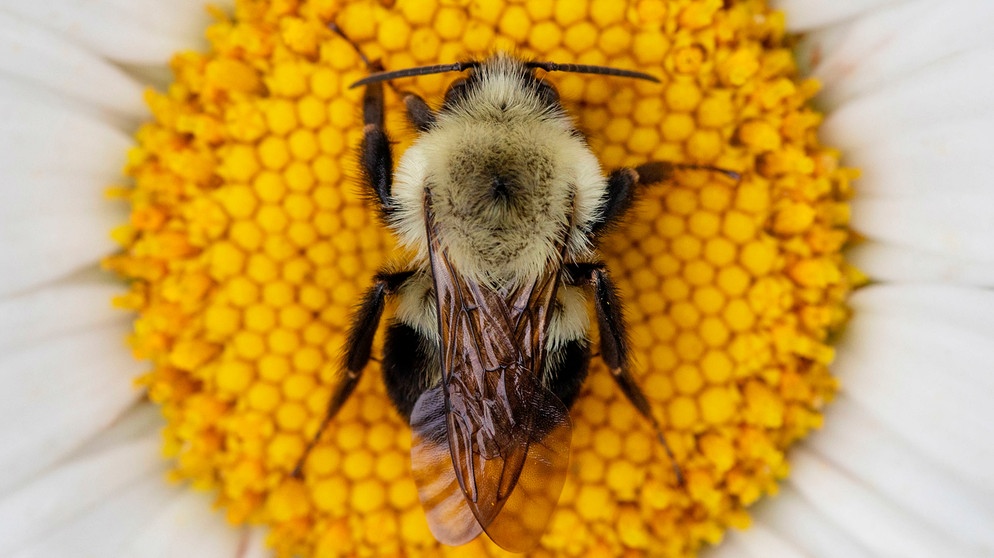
(502, 204)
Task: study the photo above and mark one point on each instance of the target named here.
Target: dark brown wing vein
(508, 436)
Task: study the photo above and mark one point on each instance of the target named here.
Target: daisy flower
(244, 244)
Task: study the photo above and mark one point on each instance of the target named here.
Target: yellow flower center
(249, 243)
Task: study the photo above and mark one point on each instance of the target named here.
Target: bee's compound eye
(456, 90)
(547, 92)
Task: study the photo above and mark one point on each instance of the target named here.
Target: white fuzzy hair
(502, 131)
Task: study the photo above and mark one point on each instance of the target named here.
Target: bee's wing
(449, 517)
(491, 444)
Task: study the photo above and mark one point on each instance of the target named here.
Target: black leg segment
(661, 171)
(367, 319)
(375, 154)
(376, 163)
(621, 192)
(419, 113)
(614, 342)
(623, 185)
(358, 349)
(610, 316)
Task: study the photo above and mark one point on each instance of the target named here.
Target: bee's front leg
(418, 112)
(622, 188)
(376, 155)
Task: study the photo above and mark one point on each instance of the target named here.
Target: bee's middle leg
(614, 342)
(358, 349)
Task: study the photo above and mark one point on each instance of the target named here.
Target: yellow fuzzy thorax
(249, 243)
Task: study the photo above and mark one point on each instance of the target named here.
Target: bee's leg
(614, 342)
(659, 171)
(418, 112)
(376, 157)
(620, 197)
(358, 348)
(622, 188)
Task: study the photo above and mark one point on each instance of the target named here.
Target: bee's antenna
(419, 71)
(376, 67)
(588, 69)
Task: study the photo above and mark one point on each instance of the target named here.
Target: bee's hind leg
(358, 348)
(614, 342)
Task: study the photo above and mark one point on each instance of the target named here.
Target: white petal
(55, 165)
(45, 137)
(112, 499)
(959, 225)
(890, 43)
(49, 313)
(880, 526)
(967, 308)
(796, 520)
(896, 263)
(129, 477)
(142, 421)
(45, 60)
(137, 31)
(958, 89)
(187, 526)
(807, 14)
(923, 370)
(729, 547)
(115, 503)
(58, 393)
(950, 158)
(759, 542)
(875, 456)
(254, 546)
(53, 225)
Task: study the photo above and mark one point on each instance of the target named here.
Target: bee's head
(508, 174)
(500, 177)
(499, 82)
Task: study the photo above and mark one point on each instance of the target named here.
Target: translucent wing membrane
(449, 516)
(514, 520)
(516, 512)
(507, 436)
